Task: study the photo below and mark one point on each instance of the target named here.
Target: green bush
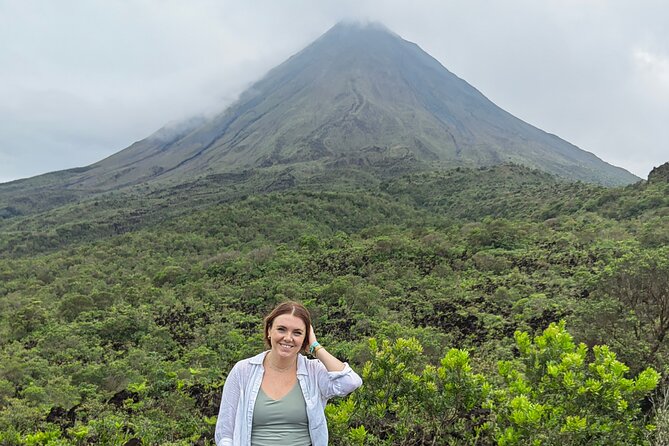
(549, 395)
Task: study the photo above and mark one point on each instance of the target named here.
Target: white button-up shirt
(235, 416)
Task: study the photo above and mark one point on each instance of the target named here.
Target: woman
(278, 397)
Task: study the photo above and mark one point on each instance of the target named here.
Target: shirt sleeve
(339, 383)
(225, 424)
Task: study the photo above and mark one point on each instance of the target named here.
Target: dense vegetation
(475, 304)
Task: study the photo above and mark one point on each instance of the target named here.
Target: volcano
(356, 95)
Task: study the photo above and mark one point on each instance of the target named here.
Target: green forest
(490, 306)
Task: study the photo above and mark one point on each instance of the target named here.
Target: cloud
(654, 69)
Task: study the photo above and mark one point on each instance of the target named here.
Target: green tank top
(281, 422)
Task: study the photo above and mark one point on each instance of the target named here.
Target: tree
(640, 281)
(549, 395)
(630, 307)
(403, 401)
(552, 396)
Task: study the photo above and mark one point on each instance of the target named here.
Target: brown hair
(294, 309)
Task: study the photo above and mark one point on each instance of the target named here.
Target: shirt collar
(301, 362)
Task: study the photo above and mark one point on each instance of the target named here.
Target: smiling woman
(278, 397)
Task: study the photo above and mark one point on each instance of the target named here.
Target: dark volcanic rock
(659, 174)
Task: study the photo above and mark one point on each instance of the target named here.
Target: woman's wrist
(314, 347)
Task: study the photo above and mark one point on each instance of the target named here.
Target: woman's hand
(312, 335)
(331, 363)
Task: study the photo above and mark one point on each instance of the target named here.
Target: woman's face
(287, 335)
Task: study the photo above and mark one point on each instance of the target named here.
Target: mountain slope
(355, 88)
(356, 96)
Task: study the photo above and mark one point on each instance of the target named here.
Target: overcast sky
(80, 80)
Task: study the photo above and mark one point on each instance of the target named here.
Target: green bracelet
(313, 346)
